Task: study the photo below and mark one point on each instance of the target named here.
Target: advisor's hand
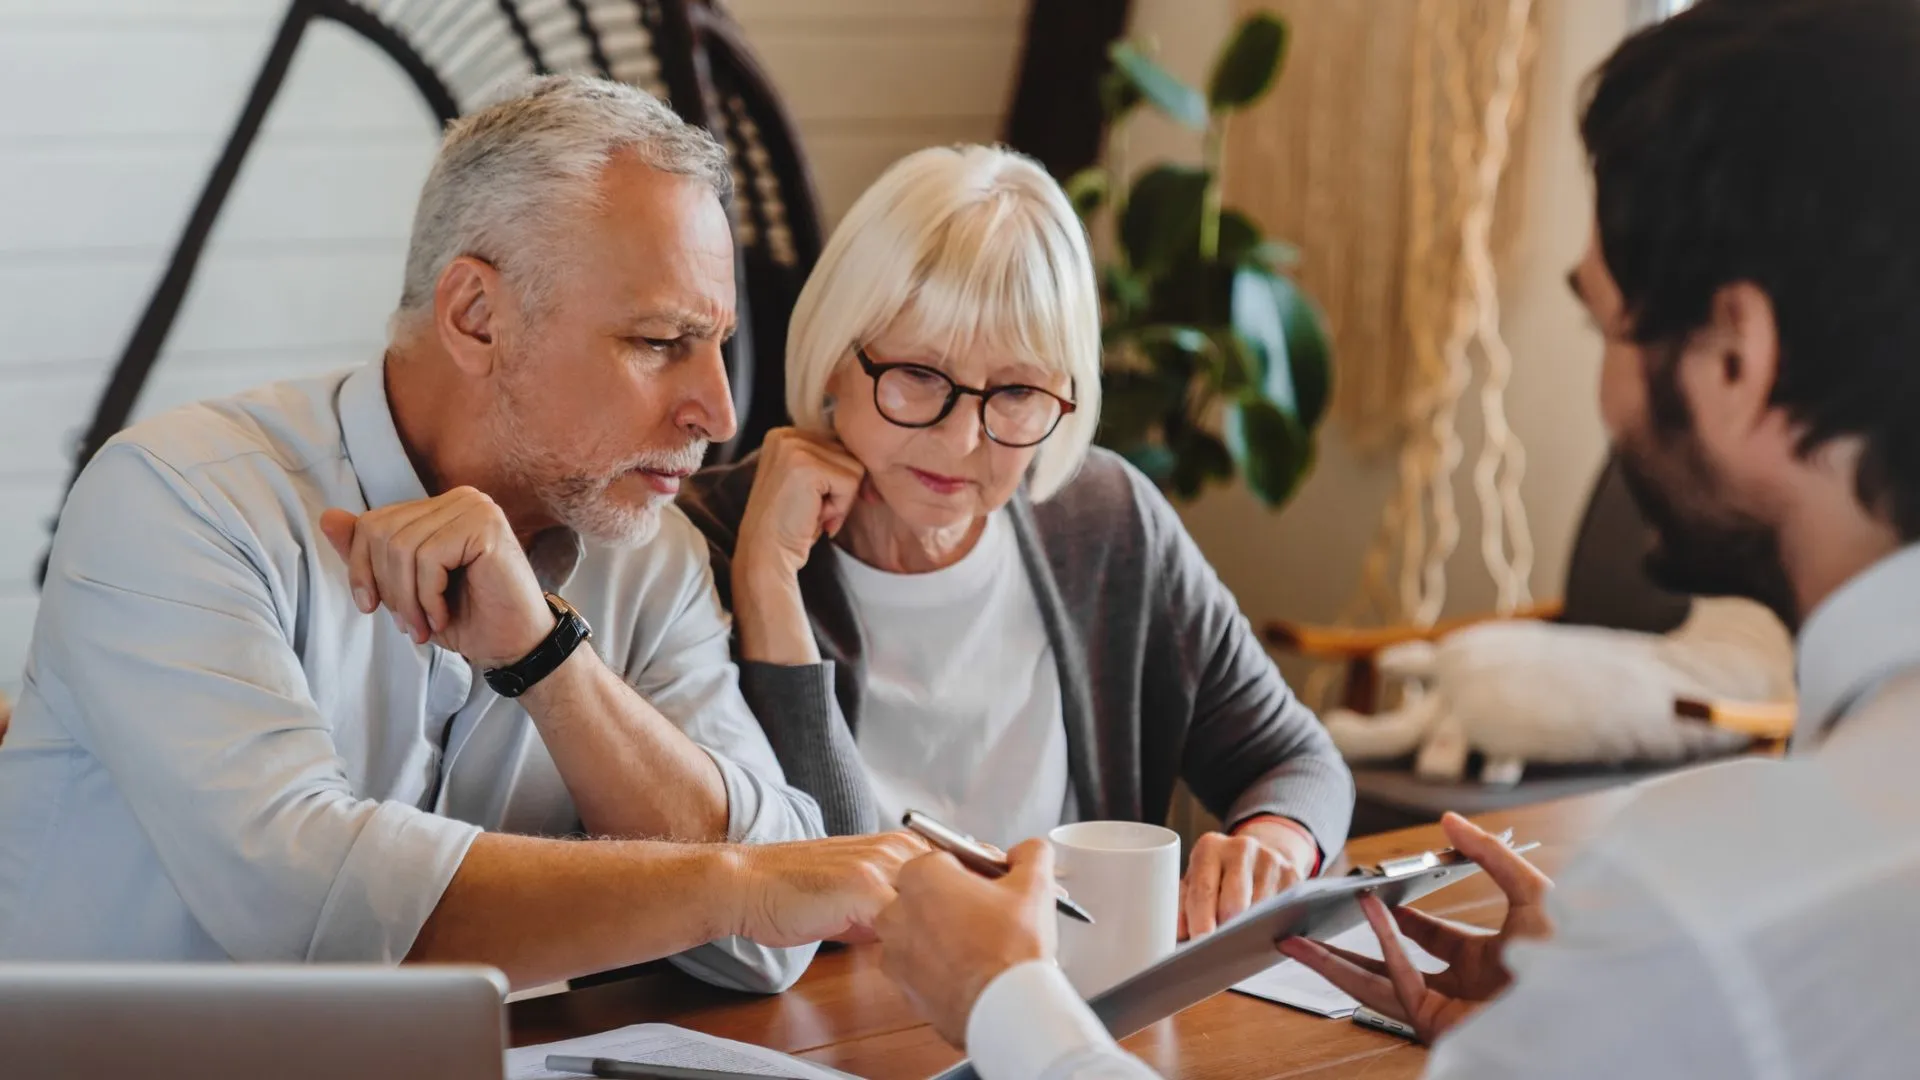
(450, 570)
(951, 931)
(1475, 959)
(817, 890)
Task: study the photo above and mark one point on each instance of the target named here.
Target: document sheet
(1290, 982)
(664, 1044)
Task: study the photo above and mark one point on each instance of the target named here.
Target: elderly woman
(946, 600)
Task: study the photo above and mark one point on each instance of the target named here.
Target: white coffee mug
(1127, 875)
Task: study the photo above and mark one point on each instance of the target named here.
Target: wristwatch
(569, 630)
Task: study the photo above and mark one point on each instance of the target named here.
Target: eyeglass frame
(875, 369)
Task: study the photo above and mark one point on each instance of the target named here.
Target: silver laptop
(180, 1021)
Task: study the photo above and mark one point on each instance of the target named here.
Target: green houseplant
(1217, 363)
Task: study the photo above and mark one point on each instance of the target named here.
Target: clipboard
(1317, 908)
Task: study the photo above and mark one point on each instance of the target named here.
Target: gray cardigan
(1160, 674)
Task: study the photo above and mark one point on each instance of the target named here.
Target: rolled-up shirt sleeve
(1028, 1024)
(166, 649)
(691, 678)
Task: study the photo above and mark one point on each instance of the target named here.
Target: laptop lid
(180, 1021)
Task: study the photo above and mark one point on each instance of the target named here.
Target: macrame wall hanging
(1468, 63)
(1389, 154)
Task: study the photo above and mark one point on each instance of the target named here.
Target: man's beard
(583, 501)
(1705, 546)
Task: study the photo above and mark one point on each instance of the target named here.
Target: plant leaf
(1187, 339)
(1124, 292)
(1182, 103)
(1239, 237)
(1191, 291)
(1179, 353)
(1273, 315)
(1275, 255)
(1248, 64)
(1118, 95)
(1087, 190)
(1132, 403)
(1153, 459)
(1270, 447)
(1161, 223)
(1200, 457)
(1238, 365)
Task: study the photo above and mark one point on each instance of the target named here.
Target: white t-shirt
(962, 718)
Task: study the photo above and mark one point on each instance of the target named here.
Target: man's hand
(951, 932)
(1226, 875)
(1475, 959)
(804, 486)
(450, 570)
(816, 890)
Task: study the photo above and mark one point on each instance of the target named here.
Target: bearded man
(330, 671)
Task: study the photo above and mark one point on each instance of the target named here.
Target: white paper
(664, 1044)
(1290, 982)
(548, 990)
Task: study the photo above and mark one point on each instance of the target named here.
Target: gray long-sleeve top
(1161, 677)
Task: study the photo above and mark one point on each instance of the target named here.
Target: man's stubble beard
(583, 501)
(1706, 546)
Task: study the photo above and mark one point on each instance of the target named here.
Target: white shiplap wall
(112, 111)
(869, 80)
(111, 114)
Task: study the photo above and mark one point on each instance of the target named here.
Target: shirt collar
(387, 475)
(374, 449)
(554, 556)
(1856, 638)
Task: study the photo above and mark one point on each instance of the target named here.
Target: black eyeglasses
(917, 396)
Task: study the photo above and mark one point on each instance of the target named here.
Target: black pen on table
(977, 858)
(615, 1069)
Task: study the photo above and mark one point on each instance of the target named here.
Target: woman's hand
(1475, 959)
(1226, 875)
(804, 487)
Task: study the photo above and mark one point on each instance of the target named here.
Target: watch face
(567, 613)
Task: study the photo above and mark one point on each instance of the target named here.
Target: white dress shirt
(1748, 919)
(217, 755)
(963, 717)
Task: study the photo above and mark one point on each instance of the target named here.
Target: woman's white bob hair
(957, 248)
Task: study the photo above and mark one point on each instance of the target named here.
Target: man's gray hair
(511, 179)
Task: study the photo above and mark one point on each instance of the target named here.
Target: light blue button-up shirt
(217, 755)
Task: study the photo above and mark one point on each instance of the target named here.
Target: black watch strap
(569, 630)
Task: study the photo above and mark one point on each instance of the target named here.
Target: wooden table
(847, 1014)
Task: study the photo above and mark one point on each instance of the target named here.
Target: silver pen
(615, 1069)
(976, 857)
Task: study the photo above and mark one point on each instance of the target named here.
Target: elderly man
(1754, 268)
(310, 680)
